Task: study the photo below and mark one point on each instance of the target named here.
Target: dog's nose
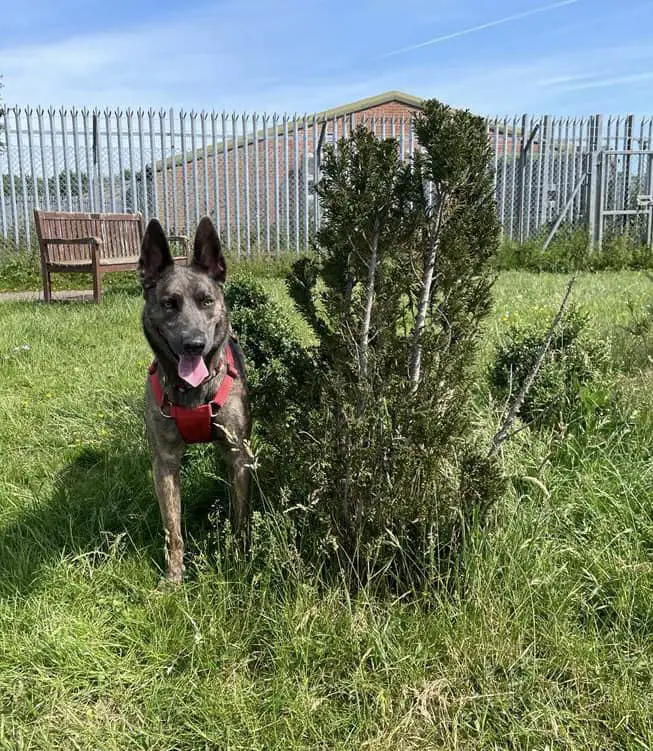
(195, 346)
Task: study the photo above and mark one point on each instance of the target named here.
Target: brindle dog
(186, 322)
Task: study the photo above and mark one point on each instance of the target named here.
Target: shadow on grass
(104, 493)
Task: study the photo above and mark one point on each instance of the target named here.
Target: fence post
(22, 171)
(12, 184)
(628, 143)
(547, 154)
(526, 143)
(595, 202)
(521, 169)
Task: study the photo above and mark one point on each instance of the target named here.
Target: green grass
(549, 647)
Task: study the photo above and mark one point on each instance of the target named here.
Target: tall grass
(549, 646)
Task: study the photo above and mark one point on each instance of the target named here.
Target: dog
(196, 388)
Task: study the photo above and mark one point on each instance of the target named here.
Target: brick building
(253, 174)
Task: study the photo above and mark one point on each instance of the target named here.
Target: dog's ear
(155, 254)
(207, 251)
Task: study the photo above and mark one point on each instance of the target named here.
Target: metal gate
(621, 195)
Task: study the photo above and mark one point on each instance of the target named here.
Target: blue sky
(565, 57)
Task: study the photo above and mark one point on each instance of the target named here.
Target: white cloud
(121, 68)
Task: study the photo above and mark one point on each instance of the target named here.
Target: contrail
(488, 25)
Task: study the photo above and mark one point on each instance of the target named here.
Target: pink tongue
(192, 369)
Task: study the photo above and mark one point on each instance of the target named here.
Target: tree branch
(504, 431)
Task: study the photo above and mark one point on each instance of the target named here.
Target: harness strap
(195, 423)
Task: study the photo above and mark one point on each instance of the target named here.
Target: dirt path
(73, 294)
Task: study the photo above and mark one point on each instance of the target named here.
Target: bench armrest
(93, 243)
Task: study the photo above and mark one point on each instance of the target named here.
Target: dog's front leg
(166, 482)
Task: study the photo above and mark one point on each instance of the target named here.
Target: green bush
(396, 297)
(570, 381)
(570, 251)
(280, 371)
(634, 345)
(19, 272)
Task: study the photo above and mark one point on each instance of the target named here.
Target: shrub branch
(369, 300)
(426, 287)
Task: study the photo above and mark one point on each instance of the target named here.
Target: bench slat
(120, 233)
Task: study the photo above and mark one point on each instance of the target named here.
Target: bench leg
(47, 285)
(97, 284)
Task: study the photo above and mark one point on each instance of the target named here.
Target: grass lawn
(550, 647)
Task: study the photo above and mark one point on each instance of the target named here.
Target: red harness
(194, 423)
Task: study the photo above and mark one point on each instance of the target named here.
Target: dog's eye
(170, 303)
(207, 301)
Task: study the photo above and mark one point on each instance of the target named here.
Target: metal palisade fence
(593, 172)
(254, 173)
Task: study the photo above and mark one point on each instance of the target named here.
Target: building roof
(373, 101)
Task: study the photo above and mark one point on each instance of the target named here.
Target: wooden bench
(95, 243)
